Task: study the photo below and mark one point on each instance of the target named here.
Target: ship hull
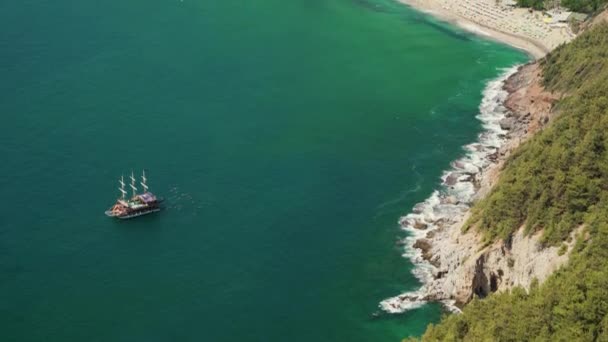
(136, 214)
(127, 216)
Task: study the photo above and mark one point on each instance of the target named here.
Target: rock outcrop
(455, 266)
(467, 268)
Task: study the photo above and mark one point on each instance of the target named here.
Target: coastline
(533, 47)
(455, 266)
(448, 207)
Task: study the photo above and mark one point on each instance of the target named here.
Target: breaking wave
(452, 200)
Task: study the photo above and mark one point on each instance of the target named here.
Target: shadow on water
(447, 31)
(141, 222)
(413, 17)
(418, 18)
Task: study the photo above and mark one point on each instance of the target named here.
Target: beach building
(578, 17)
(557, 16)
(509, 3)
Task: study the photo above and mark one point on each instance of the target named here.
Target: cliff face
(466, 271)
(464, 268)
(455, 266)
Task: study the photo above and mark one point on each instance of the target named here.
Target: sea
(287, 137)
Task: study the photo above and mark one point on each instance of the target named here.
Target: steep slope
(552, 181)
(552, 193)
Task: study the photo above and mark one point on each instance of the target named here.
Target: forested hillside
(551, 182)
(587, 6)
(554, 183)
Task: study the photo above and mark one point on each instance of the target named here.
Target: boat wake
(449, 204)
(182, 201)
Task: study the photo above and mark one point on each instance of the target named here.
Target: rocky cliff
(464, 267)
(454, 265)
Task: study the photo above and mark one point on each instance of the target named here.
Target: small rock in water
(467, 178)
(451, 179)
(507, 123)
(458, 164)
(406, 221)
(448, 200)
(425, 246)
(418, 208)
(420, 225)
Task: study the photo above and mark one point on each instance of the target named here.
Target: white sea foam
(450, 203)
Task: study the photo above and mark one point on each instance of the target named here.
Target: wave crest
(449, 204)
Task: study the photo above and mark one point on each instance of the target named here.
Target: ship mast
(143, 181)
(133, 184)
(122, 187)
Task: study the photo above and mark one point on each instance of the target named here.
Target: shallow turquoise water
(287, 136)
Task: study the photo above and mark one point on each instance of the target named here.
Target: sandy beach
(514, 26)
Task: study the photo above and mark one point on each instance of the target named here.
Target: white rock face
(465, 271)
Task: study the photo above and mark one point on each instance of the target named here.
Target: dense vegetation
(587, 6)
(556, 181)
(553, 181)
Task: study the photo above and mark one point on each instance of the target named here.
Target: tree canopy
(586, 6)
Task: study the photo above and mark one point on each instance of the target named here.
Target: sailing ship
(138, 204)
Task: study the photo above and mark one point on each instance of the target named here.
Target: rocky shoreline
(454, 266)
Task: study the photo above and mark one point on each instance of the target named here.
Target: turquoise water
(287, 137)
